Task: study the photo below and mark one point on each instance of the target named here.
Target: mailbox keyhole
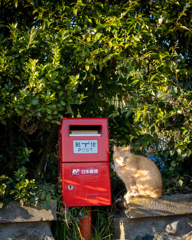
(70, 187)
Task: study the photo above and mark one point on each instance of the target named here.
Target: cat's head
(121, 154)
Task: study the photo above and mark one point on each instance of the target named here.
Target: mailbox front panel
(86, 184)
(84, 140)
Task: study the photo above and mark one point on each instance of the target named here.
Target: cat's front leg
(133, 189)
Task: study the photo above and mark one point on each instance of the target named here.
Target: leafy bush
(127, 61)
(25, 191)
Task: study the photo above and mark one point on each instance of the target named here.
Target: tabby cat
(140, 174)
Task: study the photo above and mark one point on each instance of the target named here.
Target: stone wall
(27, 222)
(166, 218)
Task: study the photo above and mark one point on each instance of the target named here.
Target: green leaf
(172, 152)
(45, 205)
(127, 136)
(4, 122)
(149, 139)
(16, 3)
(1, 204)
(34, 101)
(110, 44)
(75, 11)
(48, 110)
(129, 113)
(173, 164)
(144, 143)
(155, 136)
(152, 129)
(77, 77)
(175, 89)
(138, 114)
(188, 152)
(179, 183)
(40, 151)
(185, 28)
(87, 67)
(62, 103)
(98, 35)
(179, 151)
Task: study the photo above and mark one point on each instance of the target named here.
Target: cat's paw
(131, 194)
(128, 195)
(136, 194)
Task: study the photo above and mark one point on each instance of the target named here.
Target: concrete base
(169, 228)
(166, 218)
(26, 231)
(27, 222)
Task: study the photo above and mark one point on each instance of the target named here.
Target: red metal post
(85, 225)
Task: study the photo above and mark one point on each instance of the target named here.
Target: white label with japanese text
(85, 146)
(84, 171)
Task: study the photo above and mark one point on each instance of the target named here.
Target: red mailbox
(84, 162)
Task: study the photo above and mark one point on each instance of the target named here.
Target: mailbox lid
(86, 184)
(84, 140)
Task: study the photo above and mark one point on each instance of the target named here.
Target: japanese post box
(84, 162)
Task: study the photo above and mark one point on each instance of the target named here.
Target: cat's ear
(128, 148)
(114, 148)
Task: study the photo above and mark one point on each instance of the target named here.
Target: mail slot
(83, 154)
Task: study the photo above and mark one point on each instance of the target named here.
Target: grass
(67, 227)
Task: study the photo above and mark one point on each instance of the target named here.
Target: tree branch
(50, 141)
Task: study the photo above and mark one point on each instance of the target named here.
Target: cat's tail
(157, 193)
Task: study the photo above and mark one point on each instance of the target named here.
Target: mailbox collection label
(85, 146)
(84, 171)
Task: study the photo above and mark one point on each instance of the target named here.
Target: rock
(149, 237)
(142, 207)
(27, 222)
(174, 228)
(36, 234)
(166, 218)
(14, 212)
(159, 238)
(138, 238)
(26, 231)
